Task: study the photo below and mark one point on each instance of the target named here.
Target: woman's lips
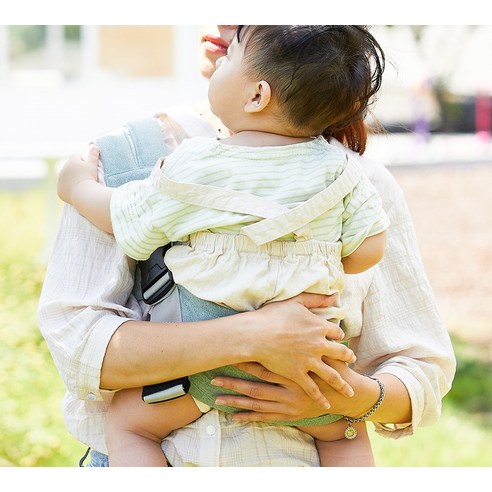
(215, 45)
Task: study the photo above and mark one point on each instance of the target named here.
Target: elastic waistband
(209, 241)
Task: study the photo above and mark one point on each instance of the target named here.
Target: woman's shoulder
(378, 174)
(384, 182)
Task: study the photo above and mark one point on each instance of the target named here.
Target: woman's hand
(291, 341)
(279, 398)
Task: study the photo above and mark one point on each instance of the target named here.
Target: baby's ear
(259, 98)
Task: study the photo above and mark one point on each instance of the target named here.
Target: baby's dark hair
(323, 77)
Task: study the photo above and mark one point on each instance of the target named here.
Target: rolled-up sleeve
(402, 331)
(86, 296)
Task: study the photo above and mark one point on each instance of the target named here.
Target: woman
(393, 327)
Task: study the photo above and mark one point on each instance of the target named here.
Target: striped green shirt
(144, 217)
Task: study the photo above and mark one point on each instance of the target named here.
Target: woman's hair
(324, 78)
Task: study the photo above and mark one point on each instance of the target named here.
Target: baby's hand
(75, 171)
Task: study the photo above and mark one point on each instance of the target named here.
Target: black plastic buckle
(156, 280)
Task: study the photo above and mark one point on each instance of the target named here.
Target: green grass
(458, 439)
(463, 434)
(31, 423)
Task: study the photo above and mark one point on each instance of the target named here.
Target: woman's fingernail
(219, 401)
(216, 382)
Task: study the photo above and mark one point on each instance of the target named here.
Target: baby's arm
(369, 253)
(78, 186)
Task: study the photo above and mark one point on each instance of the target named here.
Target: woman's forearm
(142, 353)
(286, 337)
(280, 399)
(396, 407)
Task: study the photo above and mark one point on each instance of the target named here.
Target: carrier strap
(131, 151)
(279, 220)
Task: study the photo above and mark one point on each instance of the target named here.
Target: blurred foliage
(472, 386)
(463, 434)
(72, 33)
(24, 39)
(457, 440)
(31, 391)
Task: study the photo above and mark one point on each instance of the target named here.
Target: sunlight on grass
(31, 426)
(31, 423)
(463, 434)
(456, 440)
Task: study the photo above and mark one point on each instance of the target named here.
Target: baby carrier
(130, 153)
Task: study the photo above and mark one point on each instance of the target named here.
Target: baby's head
(322, 78)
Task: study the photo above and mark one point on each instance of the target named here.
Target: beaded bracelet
(350, 432)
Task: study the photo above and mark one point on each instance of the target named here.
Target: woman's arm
(401, 339)
(285, 400)
(94, 329)
(403, 334)
(86, 296)
(284, 336)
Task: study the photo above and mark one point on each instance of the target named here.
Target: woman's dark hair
(324, 77)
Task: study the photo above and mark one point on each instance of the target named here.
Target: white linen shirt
(86, 296)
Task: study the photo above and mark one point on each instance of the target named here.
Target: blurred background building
(61, 85)
(66, 84)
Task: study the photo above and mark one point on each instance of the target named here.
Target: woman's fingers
(333, 378)
(338, 351)
(300, 378)
(261, 372)
(256, 416)
(303, 345)
(254, 396)
(330, 375)
(315, 301)
(277, 399)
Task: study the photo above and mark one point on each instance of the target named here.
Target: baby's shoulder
(192, 144)
(190, 157)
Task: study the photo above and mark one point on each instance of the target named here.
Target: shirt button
(210, 430)
(91, 397)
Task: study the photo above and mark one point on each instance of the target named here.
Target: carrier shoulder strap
(127, 154)
(131, 151)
